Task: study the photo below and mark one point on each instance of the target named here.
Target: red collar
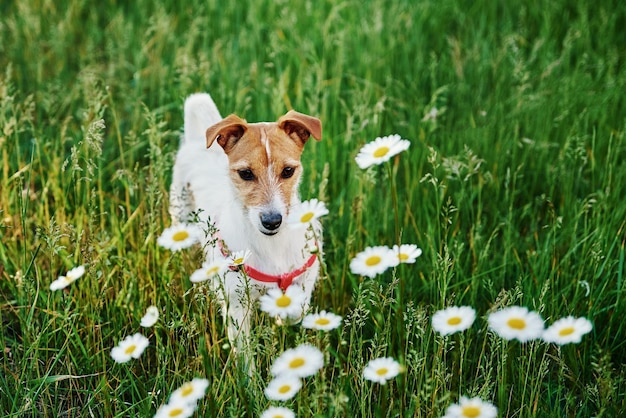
(282, 280)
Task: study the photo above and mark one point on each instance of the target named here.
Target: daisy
(306, 212)
(190, 392)
(471, 408)
(210, 269)
(238, 258)
(323, 321)
(516, 322)
(278, 412)
(71, 276)
(283, 388)
(302, 361)
(180, 236)
(381, 369)
(175, 410)
(406, 253)
(567, 330)
(284, 305)
(381, 150)
(130, 347)
(453, 319)
(373, 261)
(150, 318)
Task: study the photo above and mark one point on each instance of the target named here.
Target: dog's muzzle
(271, 222)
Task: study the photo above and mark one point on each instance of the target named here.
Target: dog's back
(196, 166)
(200, 113)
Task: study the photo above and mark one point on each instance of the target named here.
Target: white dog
(243, 178)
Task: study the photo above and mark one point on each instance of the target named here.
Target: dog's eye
(246, 174)
(287, 172)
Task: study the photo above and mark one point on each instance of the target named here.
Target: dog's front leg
(237, 315)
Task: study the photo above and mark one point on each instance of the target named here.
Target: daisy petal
(180, 236)
(373, 261)
(130, 347)
(381, 370)
(453, 319)
(302, 361)
(517, 323)
(306, 212)
(285, 305)
(381, 150)
(150, 318)
(567, 330)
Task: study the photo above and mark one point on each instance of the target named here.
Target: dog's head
(264, 161)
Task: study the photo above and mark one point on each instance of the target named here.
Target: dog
(242, 178)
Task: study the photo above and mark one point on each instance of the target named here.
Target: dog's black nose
(271, 221)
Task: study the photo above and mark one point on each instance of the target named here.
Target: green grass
(515, 193)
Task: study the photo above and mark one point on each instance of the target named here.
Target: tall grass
(515, 191)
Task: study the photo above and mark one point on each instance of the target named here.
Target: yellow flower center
(284, 389)
(381, 152)
(566, 331)
(455, 320)
(283, 301)
(382, 371)
(180, 236)
(186, 390)
(306, 217)
(322, 321)
(175, 412)
(130, 349)
(403, 257)
(297, 362)
(470, 411)
(373, 260)
(516, 323)
(238, 260)
(213, 270)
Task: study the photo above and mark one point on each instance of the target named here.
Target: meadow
(513, 186)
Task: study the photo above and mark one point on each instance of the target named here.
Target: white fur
(201, 185)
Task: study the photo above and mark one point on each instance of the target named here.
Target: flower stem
(394, 203)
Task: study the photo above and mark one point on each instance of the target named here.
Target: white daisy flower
(239, 258)
(373, 260)
(284, 305)
(190, 392)
(71, 276)
(180, 236)
(453, 319)
(381, 369)
(278, 412)
(283, 387)
(406, 253)
(302, 361)
(567, 330)
(381, 150)
(323, 321)
(471, 408)
(130, 347)
(210, 269)
(175, 410)
(516, 322)
(306, 212)
(150, 318)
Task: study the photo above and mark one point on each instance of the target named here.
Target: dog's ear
(300, 126)
(226, 132)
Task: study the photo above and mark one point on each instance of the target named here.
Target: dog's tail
(200, 114)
